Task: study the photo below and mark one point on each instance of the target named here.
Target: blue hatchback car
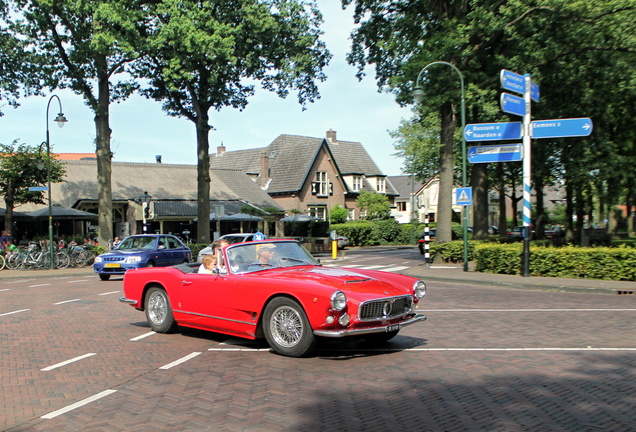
(147, 250)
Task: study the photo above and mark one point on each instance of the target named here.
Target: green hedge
(572, 262)
(196, 248)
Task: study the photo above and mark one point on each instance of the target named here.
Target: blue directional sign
(562, 128)
(492, 131)
(517, 83)
(38, 188)
(512, 81)
(513, 104)
(495, 153)
(535, 92)
(464, 196)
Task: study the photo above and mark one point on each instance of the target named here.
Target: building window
(351, 214)
(318, 212)
(320, 186)
(381, 185)
(401, 206)
(357, 183)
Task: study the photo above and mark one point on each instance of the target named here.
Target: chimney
(264, 170)
(220, 149)
(331, 136)
(158, 158)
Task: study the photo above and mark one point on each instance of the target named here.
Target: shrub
(574, 262)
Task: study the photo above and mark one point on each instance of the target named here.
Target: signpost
(38, 188)
(492, 131)
(464, 196)
(562, 128)
(516, 83)
(495, 153)
(512, 104)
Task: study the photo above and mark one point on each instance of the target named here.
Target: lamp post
(60, 120)
(418, 95)
(145, 202)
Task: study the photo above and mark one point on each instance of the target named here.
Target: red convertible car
(276, 289)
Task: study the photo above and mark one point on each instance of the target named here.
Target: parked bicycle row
(38, 256)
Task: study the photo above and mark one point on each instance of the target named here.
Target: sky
(141, 130)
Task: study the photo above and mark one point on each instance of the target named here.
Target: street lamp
(60, 120)
(418, 95)
(145, 202)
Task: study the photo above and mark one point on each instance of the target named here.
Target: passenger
(208, 264)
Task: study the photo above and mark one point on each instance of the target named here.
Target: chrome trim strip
(357, 332)
(129, 301)
(214, 317)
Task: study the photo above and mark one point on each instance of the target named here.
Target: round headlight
(338, 301)
(419, 289)
(98, 259)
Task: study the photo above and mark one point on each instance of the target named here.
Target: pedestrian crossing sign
(464, 196)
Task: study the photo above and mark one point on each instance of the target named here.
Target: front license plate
(112, 265)
(394, 327)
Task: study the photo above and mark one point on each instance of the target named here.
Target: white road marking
(145, 335)
(108, 293)
(78, 404)
(394, 268)
(6, 289)
(64, 363)
(15, 312)
(527, 310)
(181, 360)
(78, 280)
(39, 285)
(66, 301)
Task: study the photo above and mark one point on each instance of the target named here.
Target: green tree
(338, 215)
(208, 54)
(579, 50)
(376, 206)
(19, 172)
(86, 44)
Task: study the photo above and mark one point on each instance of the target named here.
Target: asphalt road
(489, 358)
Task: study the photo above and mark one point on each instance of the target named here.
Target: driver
(265, 254)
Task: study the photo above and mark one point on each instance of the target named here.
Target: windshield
(138, 243)
(248, 258)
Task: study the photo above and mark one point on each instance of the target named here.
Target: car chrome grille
(386, 308)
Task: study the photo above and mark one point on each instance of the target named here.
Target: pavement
(445, 272)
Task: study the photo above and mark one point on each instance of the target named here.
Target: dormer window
(381, 185)
(357, 183)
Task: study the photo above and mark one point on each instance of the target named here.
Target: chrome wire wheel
(286, 326)
(158, 311)
(287, 329)
(157, 308)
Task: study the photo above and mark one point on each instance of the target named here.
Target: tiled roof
(75, 156)
(405, 185)
(162, 181)
(291, 158)
(188, 208)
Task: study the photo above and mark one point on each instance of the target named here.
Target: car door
(162, 253)
(211, 301)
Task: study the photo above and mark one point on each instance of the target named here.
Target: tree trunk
(480, 201)
(104, 156)
(203, 179)
(446, 176)
(9, 203)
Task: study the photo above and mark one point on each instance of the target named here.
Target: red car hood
(344, 279)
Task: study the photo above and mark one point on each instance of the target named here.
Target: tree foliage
(87, 43)
(373, 205)
(581, 53)
(203, 55)
(19, 172)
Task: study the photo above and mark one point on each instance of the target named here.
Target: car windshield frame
(241, 258)
(138, 242)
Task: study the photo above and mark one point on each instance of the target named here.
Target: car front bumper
(369, 330)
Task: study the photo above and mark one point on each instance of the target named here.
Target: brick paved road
(488, 359)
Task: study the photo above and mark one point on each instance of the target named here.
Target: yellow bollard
(334, 249)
